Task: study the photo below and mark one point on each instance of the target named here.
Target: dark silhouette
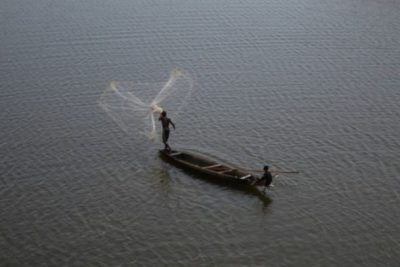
(165, 122)
(266, 179)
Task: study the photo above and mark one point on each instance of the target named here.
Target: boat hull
(213, 171)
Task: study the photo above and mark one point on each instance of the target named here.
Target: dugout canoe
(211, 169)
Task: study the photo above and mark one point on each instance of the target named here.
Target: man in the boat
(165, 122)
(266, 179)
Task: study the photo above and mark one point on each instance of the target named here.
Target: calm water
(303, 85)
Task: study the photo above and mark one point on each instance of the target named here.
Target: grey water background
(302, 85)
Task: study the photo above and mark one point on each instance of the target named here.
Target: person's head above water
(164, 113)
(266, 167)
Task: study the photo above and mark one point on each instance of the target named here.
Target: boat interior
(207, 164)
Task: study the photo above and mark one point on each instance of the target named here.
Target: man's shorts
(165, 135)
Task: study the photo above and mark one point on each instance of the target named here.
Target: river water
(301, 85)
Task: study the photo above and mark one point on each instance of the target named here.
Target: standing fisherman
(165, 122)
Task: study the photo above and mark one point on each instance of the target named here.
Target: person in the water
(165, 122)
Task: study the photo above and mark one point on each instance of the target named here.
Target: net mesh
(135, 106)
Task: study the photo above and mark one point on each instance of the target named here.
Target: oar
(285, 171)
(271, 171)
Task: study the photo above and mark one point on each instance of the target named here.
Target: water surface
(301, 85)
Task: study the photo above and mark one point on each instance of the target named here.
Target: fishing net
(135, 107)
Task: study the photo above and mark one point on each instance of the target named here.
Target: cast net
(135, 107)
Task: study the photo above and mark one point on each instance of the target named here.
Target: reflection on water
(304, 85)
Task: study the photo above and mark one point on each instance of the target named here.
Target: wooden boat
(211, 169)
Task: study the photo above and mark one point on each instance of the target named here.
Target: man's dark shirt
(267, 177)
(165, 121)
